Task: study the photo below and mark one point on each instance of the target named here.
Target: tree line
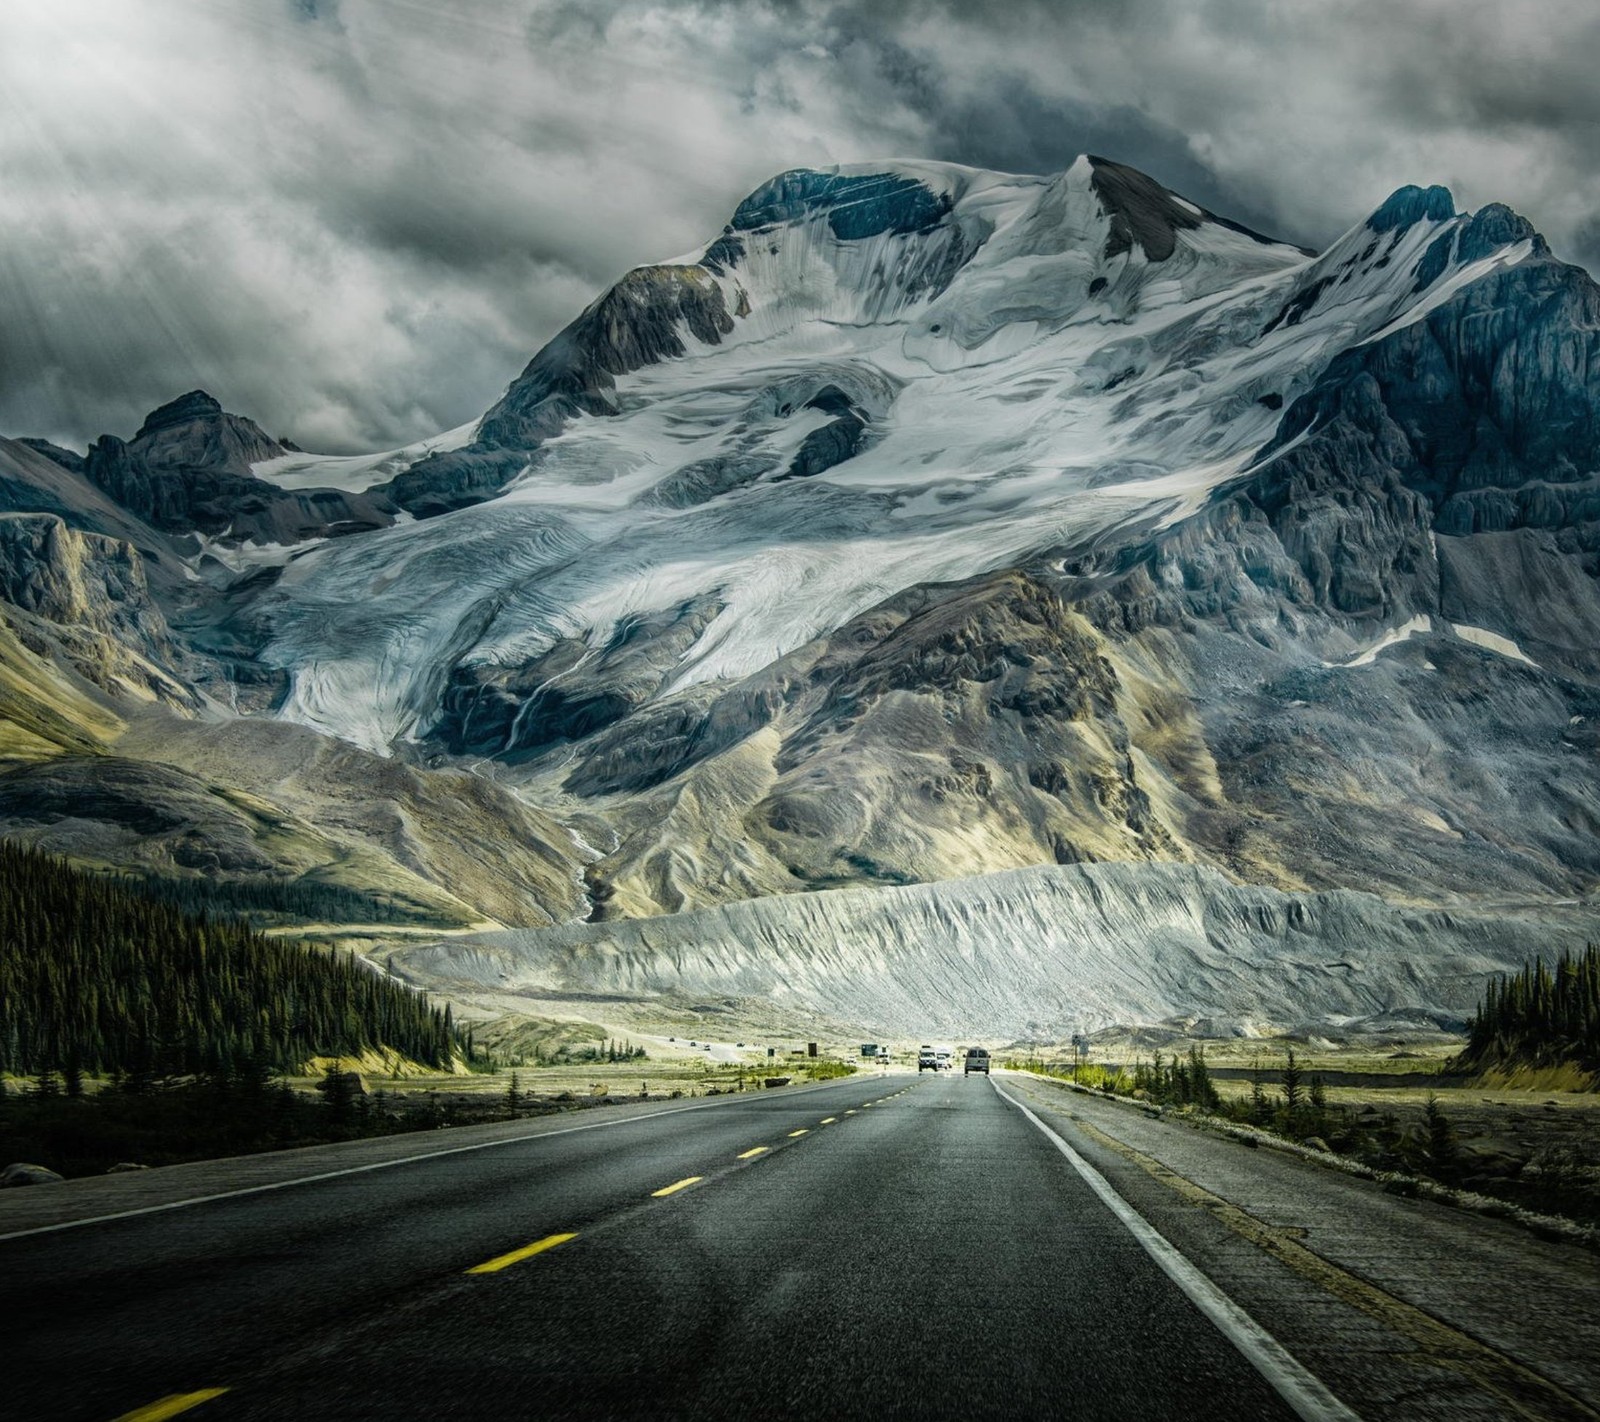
(263, 899)
(1539, 1017)
(98, 978)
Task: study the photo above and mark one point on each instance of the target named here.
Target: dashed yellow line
(676, 1186)
(802, 1131)
(505, 1261)
(171, 1406)
(829, 1120)
(757, 1150)
(850, 1113)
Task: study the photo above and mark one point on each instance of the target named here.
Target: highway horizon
(880, 1246)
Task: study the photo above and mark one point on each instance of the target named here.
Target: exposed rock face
(86, 596)
(642, 320)
(188, 471)
(65, 576)
(570, 691)
(32, 482)
(195, 432)
(856, 205)
(68, 459)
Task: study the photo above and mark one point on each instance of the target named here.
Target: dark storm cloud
(356, 219)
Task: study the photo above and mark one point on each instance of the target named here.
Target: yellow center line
(673, 1189)
(850, 1113)
(171, 1406)
(793, 1134)
(745, 1155)
(504, 1261)
(829, 1120)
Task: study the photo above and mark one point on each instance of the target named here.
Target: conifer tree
(1293, 1086)
(1539, 1017)
(99, 976)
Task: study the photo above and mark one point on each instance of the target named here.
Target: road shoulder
(1382, 1297)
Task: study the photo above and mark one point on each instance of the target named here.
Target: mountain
(189, 469)
(125, 739)
(934, 523)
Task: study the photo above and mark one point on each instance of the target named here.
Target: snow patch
(356, 473)
(1491, 642)
(1417, 626)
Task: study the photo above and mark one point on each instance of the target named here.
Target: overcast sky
(355, 220)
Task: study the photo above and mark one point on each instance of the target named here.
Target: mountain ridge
(930, 521)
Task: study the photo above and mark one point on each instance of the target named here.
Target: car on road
(977, 1060)
(927, 1059)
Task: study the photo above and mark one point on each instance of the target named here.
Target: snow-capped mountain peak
(875, 376)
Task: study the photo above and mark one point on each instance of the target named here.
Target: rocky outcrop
(569, 692)
(85, 597)
(642, 320)
(195, 432)
(68, 459)
(855, 205)
(1145, 214)
(188, 471)
(85, 579)
(33, 483)
(1490, 396)
(20, 1173)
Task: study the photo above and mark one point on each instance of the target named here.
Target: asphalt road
(881, 1247)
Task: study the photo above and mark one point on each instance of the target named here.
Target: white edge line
(372, 1165)
(1305, 1393)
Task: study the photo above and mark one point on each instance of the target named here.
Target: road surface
(881, 1247)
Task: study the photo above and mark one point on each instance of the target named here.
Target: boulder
(20, 1173)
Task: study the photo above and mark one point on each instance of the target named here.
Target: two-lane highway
(878, 1247)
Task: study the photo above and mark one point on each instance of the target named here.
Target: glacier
(1009, 378)
(945, 597)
